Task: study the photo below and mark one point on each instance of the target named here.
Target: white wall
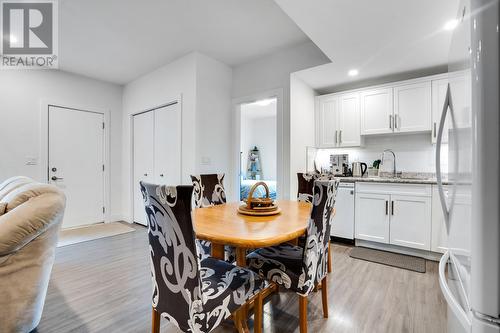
(213, 117)
(166, 84)
(205, 86)
(260, 131)
(302, 128)
(414, 152)
(273, 72)
(20, 109)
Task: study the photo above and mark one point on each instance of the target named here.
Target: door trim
(176, 100)
(282, 167)
(44, 147)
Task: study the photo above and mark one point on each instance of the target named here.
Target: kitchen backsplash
(414, 153)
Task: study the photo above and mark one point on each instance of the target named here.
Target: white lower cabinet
(439, 241)
(372, 218)
(397, 214)
(410, 222)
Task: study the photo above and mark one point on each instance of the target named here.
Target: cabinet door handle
(386, 207)
(336, 136)
(434, 130)
(396, 121)
(392, 207)
(340, 136)
(390, 121)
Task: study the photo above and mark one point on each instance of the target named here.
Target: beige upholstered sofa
(30, 217)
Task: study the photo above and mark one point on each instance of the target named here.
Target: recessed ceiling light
(353, 72)
(450, 25)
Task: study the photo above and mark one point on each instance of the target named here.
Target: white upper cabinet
(337, 120)
(438, 96)
(327, 121)
(376, 111)
(348, 120)
(412, 107)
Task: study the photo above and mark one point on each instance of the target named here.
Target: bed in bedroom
(246, 185)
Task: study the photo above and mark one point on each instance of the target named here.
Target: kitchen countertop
(395, 180)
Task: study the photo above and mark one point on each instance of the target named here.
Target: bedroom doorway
(258, 147)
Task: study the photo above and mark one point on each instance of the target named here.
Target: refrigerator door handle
(439, 177)
(448, 295)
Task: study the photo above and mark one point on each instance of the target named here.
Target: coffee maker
(339, 165)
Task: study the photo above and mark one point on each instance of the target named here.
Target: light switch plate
(206, 160)
(30, 160)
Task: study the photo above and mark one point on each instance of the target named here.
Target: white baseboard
(118, 218)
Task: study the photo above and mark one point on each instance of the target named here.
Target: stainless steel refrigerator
(469, 272)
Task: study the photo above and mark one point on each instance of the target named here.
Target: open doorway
(258, 147)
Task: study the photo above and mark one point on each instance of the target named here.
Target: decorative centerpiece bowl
(259, 206)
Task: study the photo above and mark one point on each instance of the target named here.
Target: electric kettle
(359, 169)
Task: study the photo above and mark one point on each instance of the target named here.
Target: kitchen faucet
(393, 160)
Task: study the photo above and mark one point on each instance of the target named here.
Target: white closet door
(167, 138)
(143, 160)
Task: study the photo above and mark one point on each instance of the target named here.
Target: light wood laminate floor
(105, 286)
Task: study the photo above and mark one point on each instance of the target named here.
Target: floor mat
(92, 232)
(388, 258)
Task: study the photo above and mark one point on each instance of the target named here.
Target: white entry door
(76, 163)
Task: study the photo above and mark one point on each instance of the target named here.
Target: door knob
(54, 178)
(145, 175)
(161, 175)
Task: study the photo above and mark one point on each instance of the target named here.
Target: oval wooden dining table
(223, 225)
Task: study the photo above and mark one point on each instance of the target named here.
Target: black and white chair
(195, 295)
(305, 184)
(209, 191)
(305, 194)
(297, 268)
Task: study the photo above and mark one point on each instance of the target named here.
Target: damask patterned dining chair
(195, 295)
(301, 269)
(209, 191)
(305, 182)
(305, 194)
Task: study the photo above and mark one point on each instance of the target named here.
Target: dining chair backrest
(315, 257)
(306, 184)
(175, 271)
(208, 190)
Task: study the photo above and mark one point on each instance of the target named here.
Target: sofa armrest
(27, 221)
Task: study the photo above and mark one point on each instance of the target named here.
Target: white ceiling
(378, 38)
(119, 40)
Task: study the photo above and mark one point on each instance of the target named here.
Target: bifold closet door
(143, 160)
(167, 151)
